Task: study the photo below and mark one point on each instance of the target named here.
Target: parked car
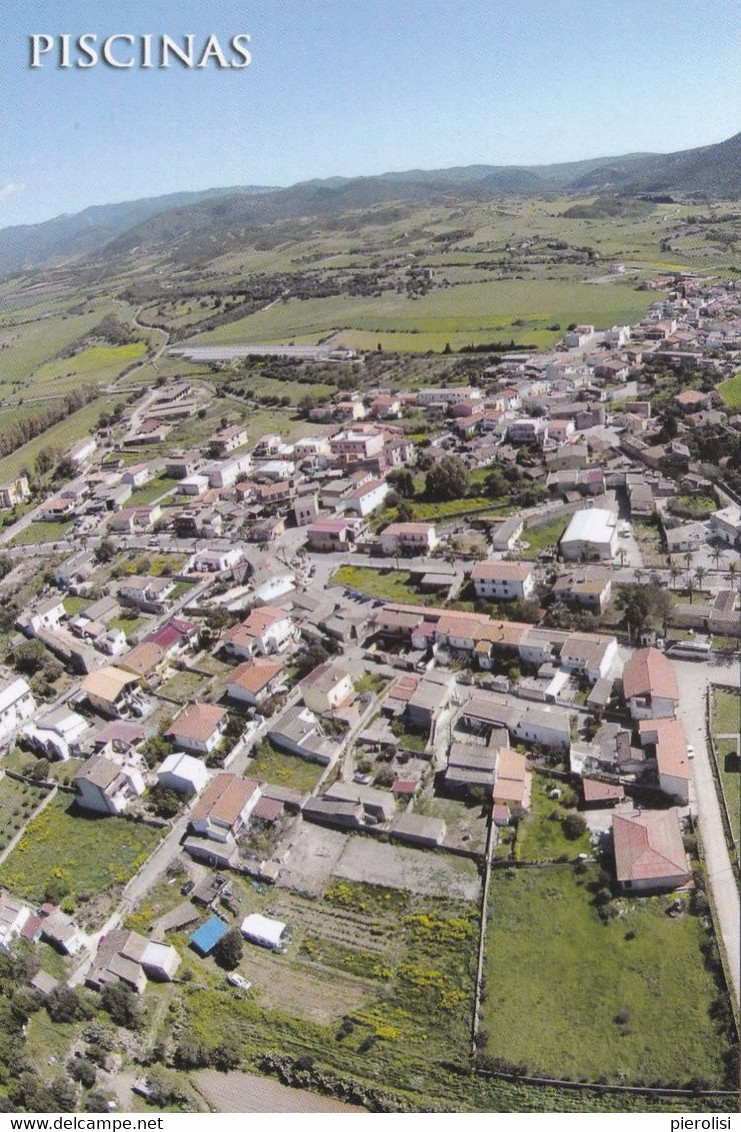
(187, 887)
(690, 751)
(236, 980)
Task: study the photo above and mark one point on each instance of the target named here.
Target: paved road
(693, 679)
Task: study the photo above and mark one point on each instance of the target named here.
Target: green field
(725, 716)
(150, 491)
(520, 310)
(540, 837)
(730, 391)
(18, 800)
(39, 532)
(570, 996)
(88, 855)
(268, 764)
(389, 585)
(545, 536)
(61, 436)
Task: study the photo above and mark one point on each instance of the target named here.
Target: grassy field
(399, 969)
(61, 436)
(521, 310)
(389, 585)
(281, 769)
(183, 686)
(39, 532)
(543, 537)
(730, 391)
(571, 996)
(151, 491)
(541, 837)
(88, 855)
(18, 800)
(725, 714)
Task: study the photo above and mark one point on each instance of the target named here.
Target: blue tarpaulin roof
(204, 940)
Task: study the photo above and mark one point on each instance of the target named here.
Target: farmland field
(571, 996)
(467, 314)
(86, 856)
(18, 800)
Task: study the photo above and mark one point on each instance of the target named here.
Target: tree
(404, 512)
(700, 574)
(82, 1070)
(64, 1004)
(105, 551)
(573, 826)
(164, 803)
(229, 950)
(674, 573)
(122, 1004)
(447, 479)
(402, 481)
(732, 573)
(29, 657)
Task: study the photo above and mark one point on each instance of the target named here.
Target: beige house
(326, 688)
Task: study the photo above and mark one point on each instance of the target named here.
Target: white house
(225, 806)
(106, 786)
(199, 728)
(726, 525)
(649, 851)
(589, 654)
(503, 581)
(254, 680)
(55, 734)
(263, 930)
(326, 688)
(409, 538)
(182, 773)
(268, 629)
(367, 498)
(16, 705)
(213, 561)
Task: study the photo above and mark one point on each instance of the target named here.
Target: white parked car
(690, 751)
(238, 980)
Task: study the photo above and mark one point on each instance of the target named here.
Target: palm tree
(674, 573)
(622, 556)
(732, 573)
(700, 573)
(716, 556)
(688, 560)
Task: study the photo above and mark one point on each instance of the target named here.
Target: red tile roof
(648, 846)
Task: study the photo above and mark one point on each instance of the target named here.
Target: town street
(694, 679)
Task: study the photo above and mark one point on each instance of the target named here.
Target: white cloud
(10, 188)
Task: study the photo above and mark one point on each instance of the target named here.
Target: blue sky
(351, 88)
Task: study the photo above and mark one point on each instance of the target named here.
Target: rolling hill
(213, 217)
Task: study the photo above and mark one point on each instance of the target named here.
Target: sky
(352, 88)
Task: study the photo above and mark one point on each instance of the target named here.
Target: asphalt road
(693, 679)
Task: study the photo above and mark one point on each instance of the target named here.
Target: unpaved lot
(426, 872)
(245, 1092)
(312, 859)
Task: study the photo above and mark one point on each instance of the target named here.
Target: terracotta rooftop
(648, 846)
(198, 722)
(254, 675)
(502, 571)
(650, 673)
(224, 799)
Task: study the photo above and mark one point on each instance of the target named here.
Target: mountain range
(712, 171)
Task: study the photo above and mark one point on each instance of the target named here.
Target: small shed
(204, 940)
(262, 930)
